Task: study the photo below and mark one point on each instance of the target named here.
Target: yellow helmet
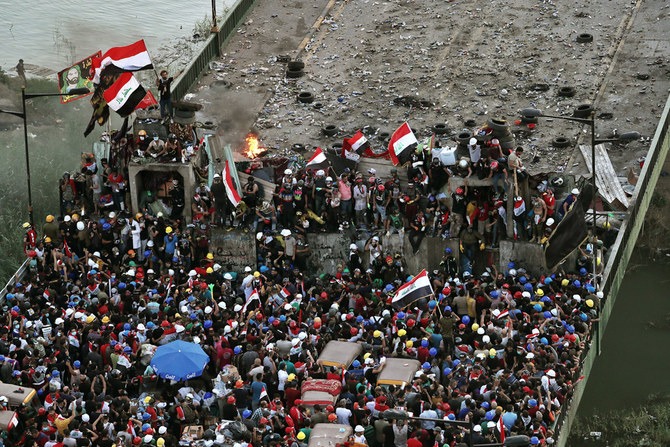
(138, 216)
(539, 292)
(210, 256)
(168, 230)
(377, 334)
(475, 326)
(26, 225)
(142, 133)
(409, 343)
(47, 240)
(589, 303)
(105, 319)
(402, 333)
(50, 218)
(75, 217)
(301, 435)
(160, 442)
(565, 282)
(291, 377)
(210, 270)
(90, 319)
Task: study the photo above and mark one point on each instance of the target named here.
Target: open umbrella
(179, 360)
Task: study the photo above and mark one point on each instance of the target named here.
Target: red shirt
(413, 442)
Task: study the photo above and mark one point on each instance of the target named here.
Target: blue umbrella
(179, 360)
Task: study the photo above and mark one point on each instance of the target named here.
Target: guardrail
(18, 276)
(211, 49)
(618, 261)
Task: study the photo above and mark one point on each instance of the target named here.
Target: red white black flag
(318, 159)
(358, 143)
(232, 193)
(125, 94)
(419, 287)
(133, 57)
(402, 143)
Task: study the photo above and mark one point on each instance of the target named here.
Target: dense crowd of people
(501, 350)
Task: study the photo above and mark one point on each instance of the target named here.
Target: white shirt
(343, 415)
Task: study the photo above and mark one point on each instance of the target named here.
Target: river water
(55, 34)
(634, 362)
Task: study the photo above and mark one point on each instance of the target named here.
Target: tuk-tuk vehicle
(339, 354)
(398, 371)
(329, 435)
(18, 395)
(320, 392)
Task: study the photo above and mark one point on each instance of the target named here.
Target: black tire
(383, 136)
(283, 58)
(506, 139)
(463, 138)
(440, 128)
(297, 147)
(317, 105)
(583, 111)
(541, 87)
(498, 124)
(295, 65)
(187, 114)
(470, 123)
(305, 97)
(566, 92)
(528, 119)
(329, 130)
(585, 38)
(293, 74)
(507, 145)
(560, 142)
(209, 125)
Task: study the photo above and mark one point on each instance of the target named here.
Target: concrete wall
(234, 250)
(524, 254)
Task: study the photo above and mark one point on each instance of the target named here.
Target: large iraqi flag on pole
(419, 287)
(318, 159)
(402, 143)
(133, 57)
(125, 94)
(232, 193)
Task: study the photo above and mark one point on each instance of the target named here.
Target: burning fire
(253, 150)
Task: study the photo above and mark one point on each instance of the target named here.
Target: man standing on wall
(164, 84)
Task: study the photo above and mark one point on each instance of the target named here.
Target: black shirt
(164, 87)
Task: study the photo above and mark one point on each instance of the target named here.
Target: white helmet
(512, 272)
(320, 173)
(463, 164)
(473, 141)
(353, 247)
(80, 226)
(550, 222)
(150, 243)
(329, 179)
(288, 172)
(259, 235)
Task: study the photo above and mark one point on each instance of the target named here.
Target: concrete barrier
(234, 250)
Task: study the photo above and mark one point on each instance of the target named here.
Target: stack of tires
(294, 69)
(501, 132)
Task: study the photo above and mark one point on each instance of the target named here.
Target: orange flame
(253, 150)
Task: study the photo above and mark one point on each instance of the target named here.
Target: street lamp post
(23, 115)
(624, 137)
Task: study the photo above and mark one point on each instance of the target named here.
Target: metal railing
(212, 48)
(18, 276)
(617, 264)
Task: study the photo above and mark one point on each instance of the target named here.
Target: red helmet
(330, 408)
(293, 324)
(353, 331)
(494, 165)
(459, 191)
(411, 322)
(381, 187)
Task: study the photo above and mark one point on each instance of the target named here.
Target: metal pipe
(25, 136)
(595, 198)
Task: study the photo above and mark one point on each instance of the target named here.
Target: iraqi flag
(133, 57)
(264, 394)
(284, 293)
(253, 297)
(232, 193)
(358, 143)
(501, 428)
(419, 287)
(318, 160)
(125, 94)
(402, 143)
